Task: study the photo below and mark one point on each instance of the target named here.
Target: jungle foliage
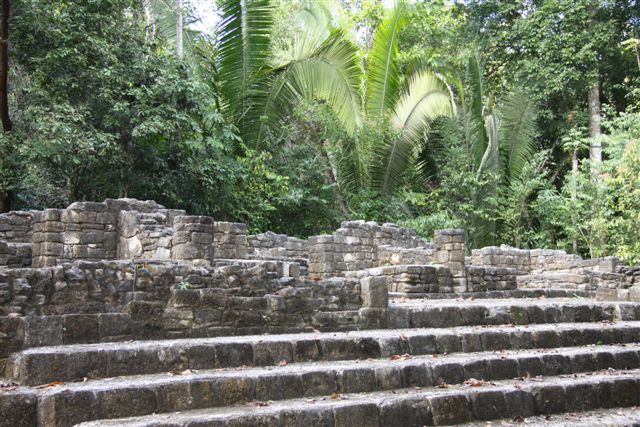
(292, 115)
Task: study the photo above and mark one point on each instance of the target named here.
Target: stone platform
(124, 313)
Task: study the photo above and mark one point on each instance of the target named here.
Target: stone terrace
(127, 313)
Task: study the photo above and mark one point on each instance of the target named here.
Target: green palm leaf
(425, 99)
(331, 74)
(517, 134)
(244, 45)
(383, 76)
(478, 138)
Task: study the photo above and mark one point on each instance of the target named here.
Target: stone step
(444, 405)
(451, 313)
(512, 293)
(621, 417)
(72, 363)
(555, 280)
(70, 403)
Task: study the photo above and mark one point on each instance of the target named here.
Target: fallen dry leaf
(472, 382)
(51, 384)
(283, 362)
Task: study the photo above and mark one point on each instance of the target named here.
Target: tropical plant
(398, 110)
(256, 94)
(498, 143)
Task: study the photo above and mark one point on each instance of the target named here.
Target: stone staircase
(535, 355)
(131, 314)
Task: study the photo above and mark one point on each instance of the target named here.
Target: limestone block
(375, 293)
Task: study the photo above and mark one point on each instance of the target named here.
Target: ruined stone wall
(502, 257)
(276, 245)
(411, 278)
(354, 246)
(229, 240)
(128, 229)
(15, 226)
(109, 300)
(15, 255)
(538, 261)
(393, 255)
(450, 251)
(83, 231)
(146, 235)
(483, 279)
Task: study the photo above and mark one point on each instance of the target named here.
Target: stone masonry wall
(229, 240)
(15, 255)
(536, 261)
(393, 255)
(411, 278)
(85, 230)
(354, 246)
(15, 226)
(502, 257)
(450, 251)
(482, 279)
(161, 299)
(123, 229)
(145, 235)
(276, 245)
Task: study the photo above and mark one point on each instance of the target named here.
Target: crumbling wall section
(146, 235)
(393, 255)
(229, 240)
(483, 279)
(83, 231)
(276, 245)
(116, 300)
(354, 246)
(15, 226)
(411, 278)
(450, 251)
(502, 257)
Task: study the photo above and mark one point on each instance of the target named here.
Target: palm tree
(258, 95)
(398, 107)
(324, 65)
(499, 142)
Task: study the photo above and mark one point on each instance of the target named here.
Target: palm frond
(331, 74)
(383, 76)
(491, 156)
(352, 170)
(314, 18)
(517, 134)
(426, 98)
(476, 114)
(244, 45)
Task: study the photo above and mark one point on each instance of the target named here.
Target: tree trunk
(5, 193)
(148, 15)
(574, 194)
(179, 24)
(595, 145)
(331, 178)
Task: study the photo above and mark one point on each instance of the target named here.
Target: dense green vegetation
(518, 121)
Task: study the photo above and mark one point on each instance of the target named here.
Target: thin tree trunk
(179, 25)
(330, 175)
(595, 145)
(5, 194)
(574, 194)
(148, 15)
